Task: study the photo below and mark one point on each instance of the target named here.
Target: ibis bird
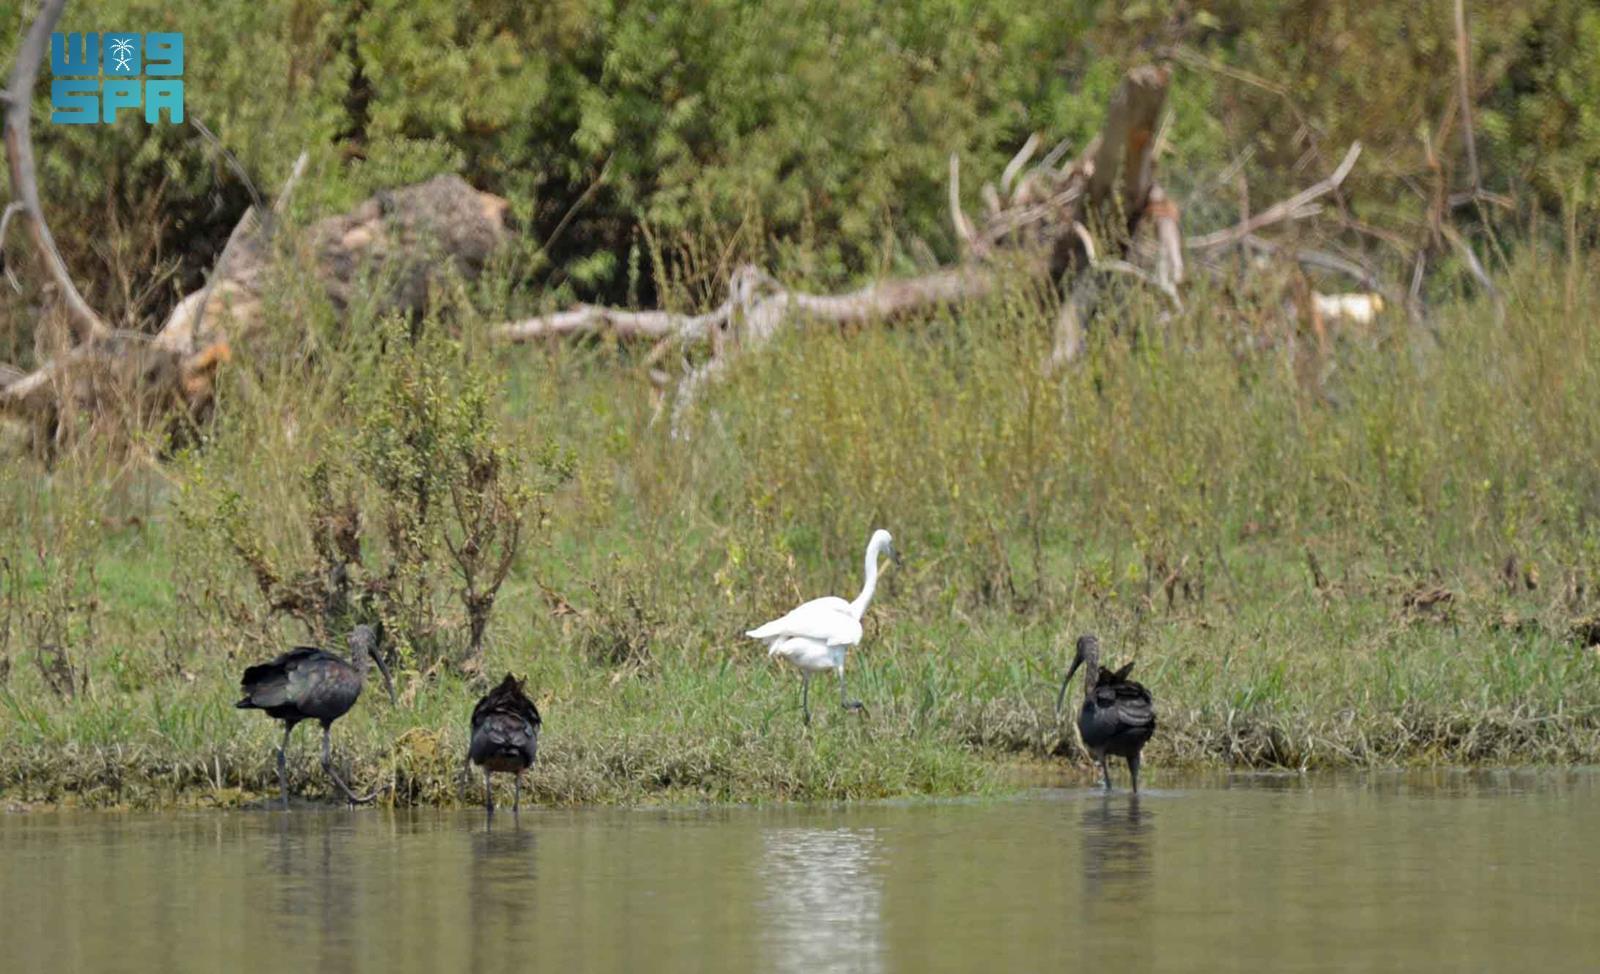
(308, 683)
(816, 636)
(1118, 716)
(505, 737)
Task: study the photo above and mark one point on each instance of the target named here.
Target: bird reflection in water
(315, 897)
(1117, 835)
(824, 901)
(503, 893)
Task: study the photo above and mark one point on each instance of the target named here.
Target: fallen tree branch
(1295, 207)
(1474, 266)
(18, 97)
(1142, 276)
(1319, 259)
(588, 319)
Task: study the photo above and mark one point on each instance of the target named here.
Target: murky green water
(1444, 871)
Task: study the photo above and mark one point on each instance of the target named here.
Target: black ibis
(505, 737)
(308, 683)
(1118, 716)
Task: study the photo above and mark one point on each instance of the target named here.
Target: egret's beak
(1061, 696)
(894, 555)
(388, 682)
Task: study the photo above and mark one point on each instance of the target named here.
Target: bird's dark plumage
(307, 683)
(1118, 716)
(505, 735)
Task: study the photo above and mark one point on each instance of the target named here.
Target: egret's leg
(327, 765)
(844, 698)
(488, 792)
(283, 774)
(1133, 769)
(1105, 773)
(805, 697)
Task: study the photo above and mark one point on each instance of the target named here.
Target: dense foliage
(811, 135)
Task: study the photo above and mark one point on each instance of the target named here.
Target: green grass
(1170, 493)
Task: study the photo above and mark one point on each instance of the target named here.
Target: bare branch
(991, 201)
(590, 319)
(1320, 259)
(1474, 266)
(1013, 168)
(1464, 81)
(1086, 238)
(229, 158)
(1282, 210)
(12, 209)
(281, 204)
(1055, 155)
(1163, 212)
(958, 219)
(1139, 274)
(87, 324)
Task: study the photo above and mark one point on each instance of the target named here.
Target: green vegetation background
(1172, 493)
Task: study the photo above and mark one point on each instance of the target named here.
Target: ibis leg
(516, 796)
(1133, 770)
(283, 774)
(1105, 773)
(488, 792)
(327, 765)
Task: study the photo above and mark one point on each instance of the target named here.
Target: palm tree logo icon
(122, 55)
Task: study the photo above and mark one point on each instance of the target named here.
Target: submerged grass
(1386, 555)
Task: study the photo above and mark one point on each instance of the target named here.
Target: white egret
(816, 636)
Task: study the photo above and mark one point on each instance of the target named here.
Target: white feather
(815, 636)
(826, 620)
(808, 655)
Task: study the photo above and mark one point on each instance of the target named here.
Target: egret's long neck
(858, 608)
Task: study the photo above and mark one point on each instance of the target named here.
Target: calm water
(1442, 871)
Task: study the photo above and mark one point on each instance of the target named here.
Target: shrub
(419, 456)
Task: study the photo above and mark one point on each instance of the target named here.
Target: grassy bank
(1387, 555)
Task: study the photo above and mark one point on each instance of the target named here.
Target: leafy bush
(813, 136)
(419, 457)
